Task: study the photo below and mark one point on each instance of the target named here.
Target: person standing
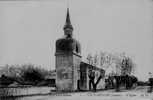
(150, 82)
(91, 76)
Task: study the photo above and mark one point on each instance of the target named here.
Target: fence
(24, 91)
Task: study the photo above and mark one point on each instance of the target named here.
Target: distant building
(71, 72)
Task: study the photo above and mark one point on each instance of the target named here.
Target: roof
(86, 65)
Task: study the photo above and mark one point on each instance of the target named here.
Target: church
(71, 73)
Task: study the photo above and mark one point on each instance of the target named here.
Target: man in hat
(91, 76)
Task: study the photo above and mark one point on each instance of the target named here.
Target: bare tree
(90, 59)
(102, 58)
(95, 60)
(128, 66)
(123, 63)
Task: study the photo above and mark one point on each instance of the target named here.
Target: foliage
(122, 63)
(24, 73)
(31, 74)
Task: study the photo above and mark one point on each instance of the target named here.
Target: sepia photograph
(76, 49)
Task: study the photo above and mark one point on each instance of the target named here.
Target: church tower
(68, 59)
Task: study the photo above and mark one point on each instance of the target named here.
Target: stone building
(68, 61)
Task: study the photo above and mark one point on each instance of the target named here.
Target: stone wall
(67, 71)
(76, 71)
(64, 73)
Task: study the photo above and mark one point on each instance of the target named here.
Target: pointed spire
(68, 17)
(68, 21)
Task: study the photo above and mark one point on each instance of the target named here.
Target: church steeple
(68, 17)
(68, 59)
(68, 21)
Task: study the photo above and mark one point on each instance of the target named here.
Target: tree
(127, 66)
(102, 58)
(95, 59)
(24, 73)
(90, 59)
(123, 63)
(31, 73)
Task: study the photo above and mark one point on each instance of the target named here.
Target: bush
(5, 81)
(32, 74)
(142, 83)
(26, 74)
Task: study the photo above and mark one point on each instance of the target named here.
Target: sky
(30, 28)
